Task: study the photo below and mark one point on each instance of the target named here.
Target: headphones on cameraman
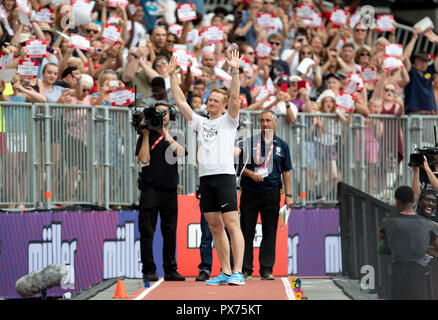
(171, 108)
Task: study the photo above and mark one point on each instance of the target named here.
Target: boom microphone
(39, 281)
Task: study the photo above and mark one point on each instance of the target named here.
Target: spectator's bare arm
(131, 69)
(409, 48)
(184, 32)
(178, 95)
(258, 105)
(432, 179)
(187, 81)
(150, 72)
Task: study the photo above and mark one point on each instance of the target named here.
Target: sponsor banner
(99, 245)
(314, 242)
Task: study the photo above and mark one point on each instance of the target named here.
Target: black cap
(333, 75)
(404, 194)
(283, 78)
(158, 82)
(426, 192)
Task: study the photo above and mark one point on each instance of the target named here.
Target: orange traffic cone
(120, 290)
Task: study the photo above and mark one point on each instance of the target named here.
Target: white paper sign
(28, 68)
(270, 86)
(391, 63)
(355, 83)
(338, 17)
(266, 20)
(345, 101)
(113, 19)
(182, 56)
(111, 33)
(424, 24)
(263, 49)
(305, 11)
(393, 50)
(176, 29)
(213, 34)
(245, 64)
(122, 97)
(24, 5)
(82, 13)
(79, 41)
(221, 74)
(195, 68)
(132, 7)
(354, 19)
(24, 19)
(315, 22)
(369, 74)
(385, 22)
(304, 65)
(186, 12)
(7, 74)
(36, 48)
(115, 3)
(263, 92)
(44, 15)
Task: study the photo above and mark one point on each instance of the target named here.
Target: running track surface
(254, 289)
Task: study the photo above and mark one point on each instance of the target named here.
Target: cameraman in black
(423, 176)
(158, 151)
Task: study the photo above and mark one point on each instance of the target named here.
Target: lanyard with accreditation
(261, 168)
(157, 142)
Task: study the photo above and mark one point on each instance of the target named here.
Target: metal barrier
(360, 217)
(70, 154)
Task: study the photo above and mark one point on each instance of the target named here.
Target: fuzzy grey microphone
(39, 281)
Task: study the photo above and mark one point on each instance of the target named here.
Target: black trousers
(268, 205)
(408, 281)
(165, 202)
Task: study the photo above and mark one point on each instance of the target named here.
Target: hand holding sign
(345, 101)
(186, 12)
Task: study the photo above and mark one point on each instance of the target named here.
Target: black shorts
(218, 193)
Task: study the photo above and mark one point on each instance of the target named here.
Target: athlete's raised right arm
(178, 95)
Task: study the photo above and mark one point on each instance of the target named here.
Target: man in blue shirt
(419, 97)
(267, 160)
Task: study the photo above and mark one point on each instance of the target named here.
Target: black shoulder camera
(416, 159)
(152, 116)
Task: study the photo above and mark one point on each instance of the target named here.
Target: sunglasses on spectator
(306, 53)
(267, 2)
(170, 41)
(276, 43)
(360, 30)
(363, 54)
(159, 63)
(92, 30)
(389, 90)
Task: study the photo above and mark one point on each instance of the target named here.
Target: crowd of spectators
(295, 52)
(299, 56)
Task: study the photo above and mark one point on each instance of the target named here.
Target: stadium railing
(71, 154)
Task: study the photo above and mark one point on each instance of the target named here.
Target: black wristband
(289, 195)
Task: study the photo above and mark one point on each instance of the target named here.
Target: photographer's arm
(144, 154)
(432, 179)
